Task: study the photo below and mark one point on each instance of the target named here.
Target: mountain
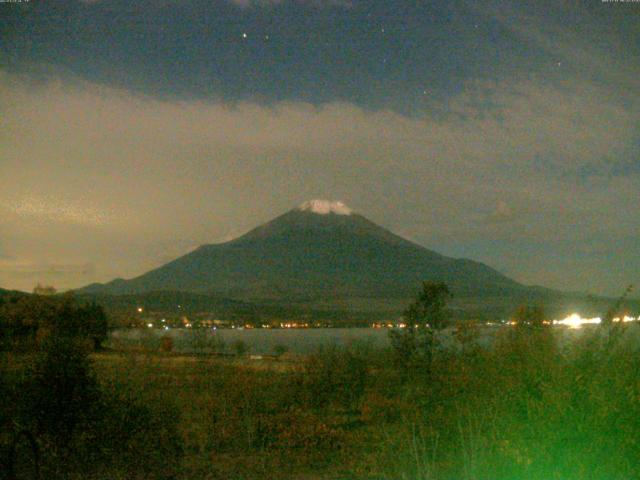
(322, 253)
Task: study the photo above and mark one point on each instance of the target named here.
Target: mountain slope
(318, 250)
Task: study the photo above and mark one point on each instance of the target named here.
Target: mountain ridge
(318, 250)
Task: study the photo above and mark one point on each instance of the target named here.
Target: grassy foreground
(530, 407)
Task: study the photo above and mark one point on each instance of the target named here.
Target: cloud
(55, 210)
(313, 3)
(48, 270)
(264, 3)
(90, 172)
(546, 27)
(25, 275)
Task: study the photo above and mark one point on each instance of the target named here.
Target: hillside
(310, 254)
(322, 256)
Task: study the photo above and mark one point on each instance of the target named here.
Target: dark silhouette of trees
(61, 389)
(57, 419)
(30, 319)
(40, 289)
(413, 345)
(529, 316)
(336, 377)
(85, 321)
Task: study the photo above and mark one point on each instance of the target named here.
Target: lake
(299, 341)
(258, 341)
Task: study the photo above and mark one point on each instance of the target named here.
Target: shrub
(86, 430)
(61, 390)
(30, 320)
(240, 348)
(166, 344)
(335, 377)
(280, 350)
(414, 345)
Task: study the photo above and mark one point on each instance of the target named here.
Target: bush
(132, 440)
(280, 350)
(166, 344)
(240, 348)
(204, 341)
(335, 377)
(61, 389)
(30, 320)
(85, 430)
(414, 345)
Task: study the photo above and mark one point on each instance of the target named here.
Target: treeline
(123, 311)
(57, 419)
(27, 320)
(534, 404)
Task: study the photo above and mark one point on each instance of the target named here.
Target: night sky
(133, 131)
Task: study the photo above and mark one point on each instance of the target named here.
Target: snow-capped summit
(324, 207)
(319, 253)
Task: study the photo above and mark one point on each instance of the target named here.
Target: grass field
(528, 407)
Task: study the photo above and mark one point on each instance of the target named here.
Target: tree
(529, 316)
(414, 344)
(531, 329)
(613, 332)
(336, 376)
(429, 309)
(31, 319)
(40, 289)
(239, 347)
(62, 388)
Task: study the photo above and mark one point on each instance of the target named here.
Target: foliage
(240, 348)
(413, 345)
(84, 429)
(204, 341)
(279, 350)
(429, 308)
(30, 319)
(335, 378)
(77, 427)
(467, 334)
(61, 389)
(40, 289)
(531, 402)
(166, 344)
(528, 316)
